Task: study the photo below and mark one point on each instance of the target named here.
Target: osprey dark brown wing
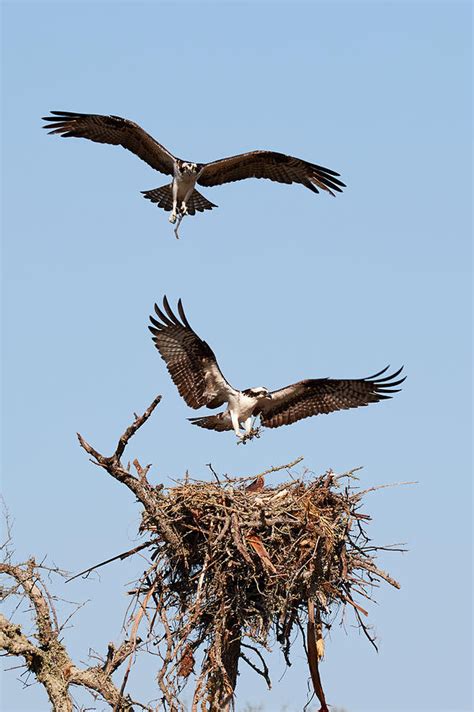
(325, 395)
(113, 130)
(274, 166)
(190, 360)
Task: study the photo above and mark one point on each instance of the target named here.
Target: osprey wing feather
(272, 165)
(113, 130)
(325, 395)
(190, 360)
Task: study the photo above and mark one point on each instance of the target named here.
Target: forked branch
(139, 485)
(44, 653)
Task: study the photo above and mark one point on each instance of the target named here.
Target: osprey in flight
(194, 370)
(180, 195)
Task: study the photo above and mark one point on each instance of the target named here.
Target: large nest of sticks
(237, 564)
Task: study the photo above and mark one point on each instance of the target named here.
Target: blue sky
(283, 284)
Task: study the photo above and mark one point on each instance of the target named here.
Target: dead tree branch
(46, 656)
(141, 488)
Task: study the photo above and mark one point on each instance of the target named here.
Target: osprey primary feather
(194, 369)
(180, 196)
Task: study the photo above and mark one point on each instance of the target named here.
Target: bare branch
(28, 580)
(132, 429)
(49, 661)
(270, 470)
(140, 486)
(124, 555)
(264, 672)
(13, 641)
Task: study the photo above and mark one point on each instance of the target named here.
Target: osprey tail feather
(163, 197)
(219, 422)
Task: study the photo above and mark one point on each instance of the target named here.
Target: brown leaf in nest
(196, 514)
(257, 485)
(257, 545)
(186, 664)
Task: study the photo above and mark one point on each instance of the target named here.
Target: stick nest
(241, 565)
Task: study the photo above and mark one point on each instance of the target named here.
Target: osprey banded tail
(194, 369)
(180, 196)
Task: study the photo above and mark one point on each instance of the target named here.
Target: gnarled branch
(141, 488)
(48, 659)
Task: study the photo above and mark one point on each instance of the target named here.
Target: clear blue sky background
(282, 283)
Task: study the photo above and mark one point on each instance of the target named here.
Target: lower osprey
(193, 367)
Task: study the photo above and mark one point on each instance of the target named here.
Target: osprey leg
(236, 425)
(248, 426)
(172, 217)
(184, 202)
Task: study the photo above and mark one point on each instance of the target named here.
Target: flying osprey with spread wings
(180, 195)
(194, 369)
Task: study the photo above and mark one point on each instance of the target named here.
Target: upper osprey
(180, 196)
(195, 371)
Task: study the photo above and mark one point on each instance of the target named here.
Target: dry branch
(46, 656)
(144, 492)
